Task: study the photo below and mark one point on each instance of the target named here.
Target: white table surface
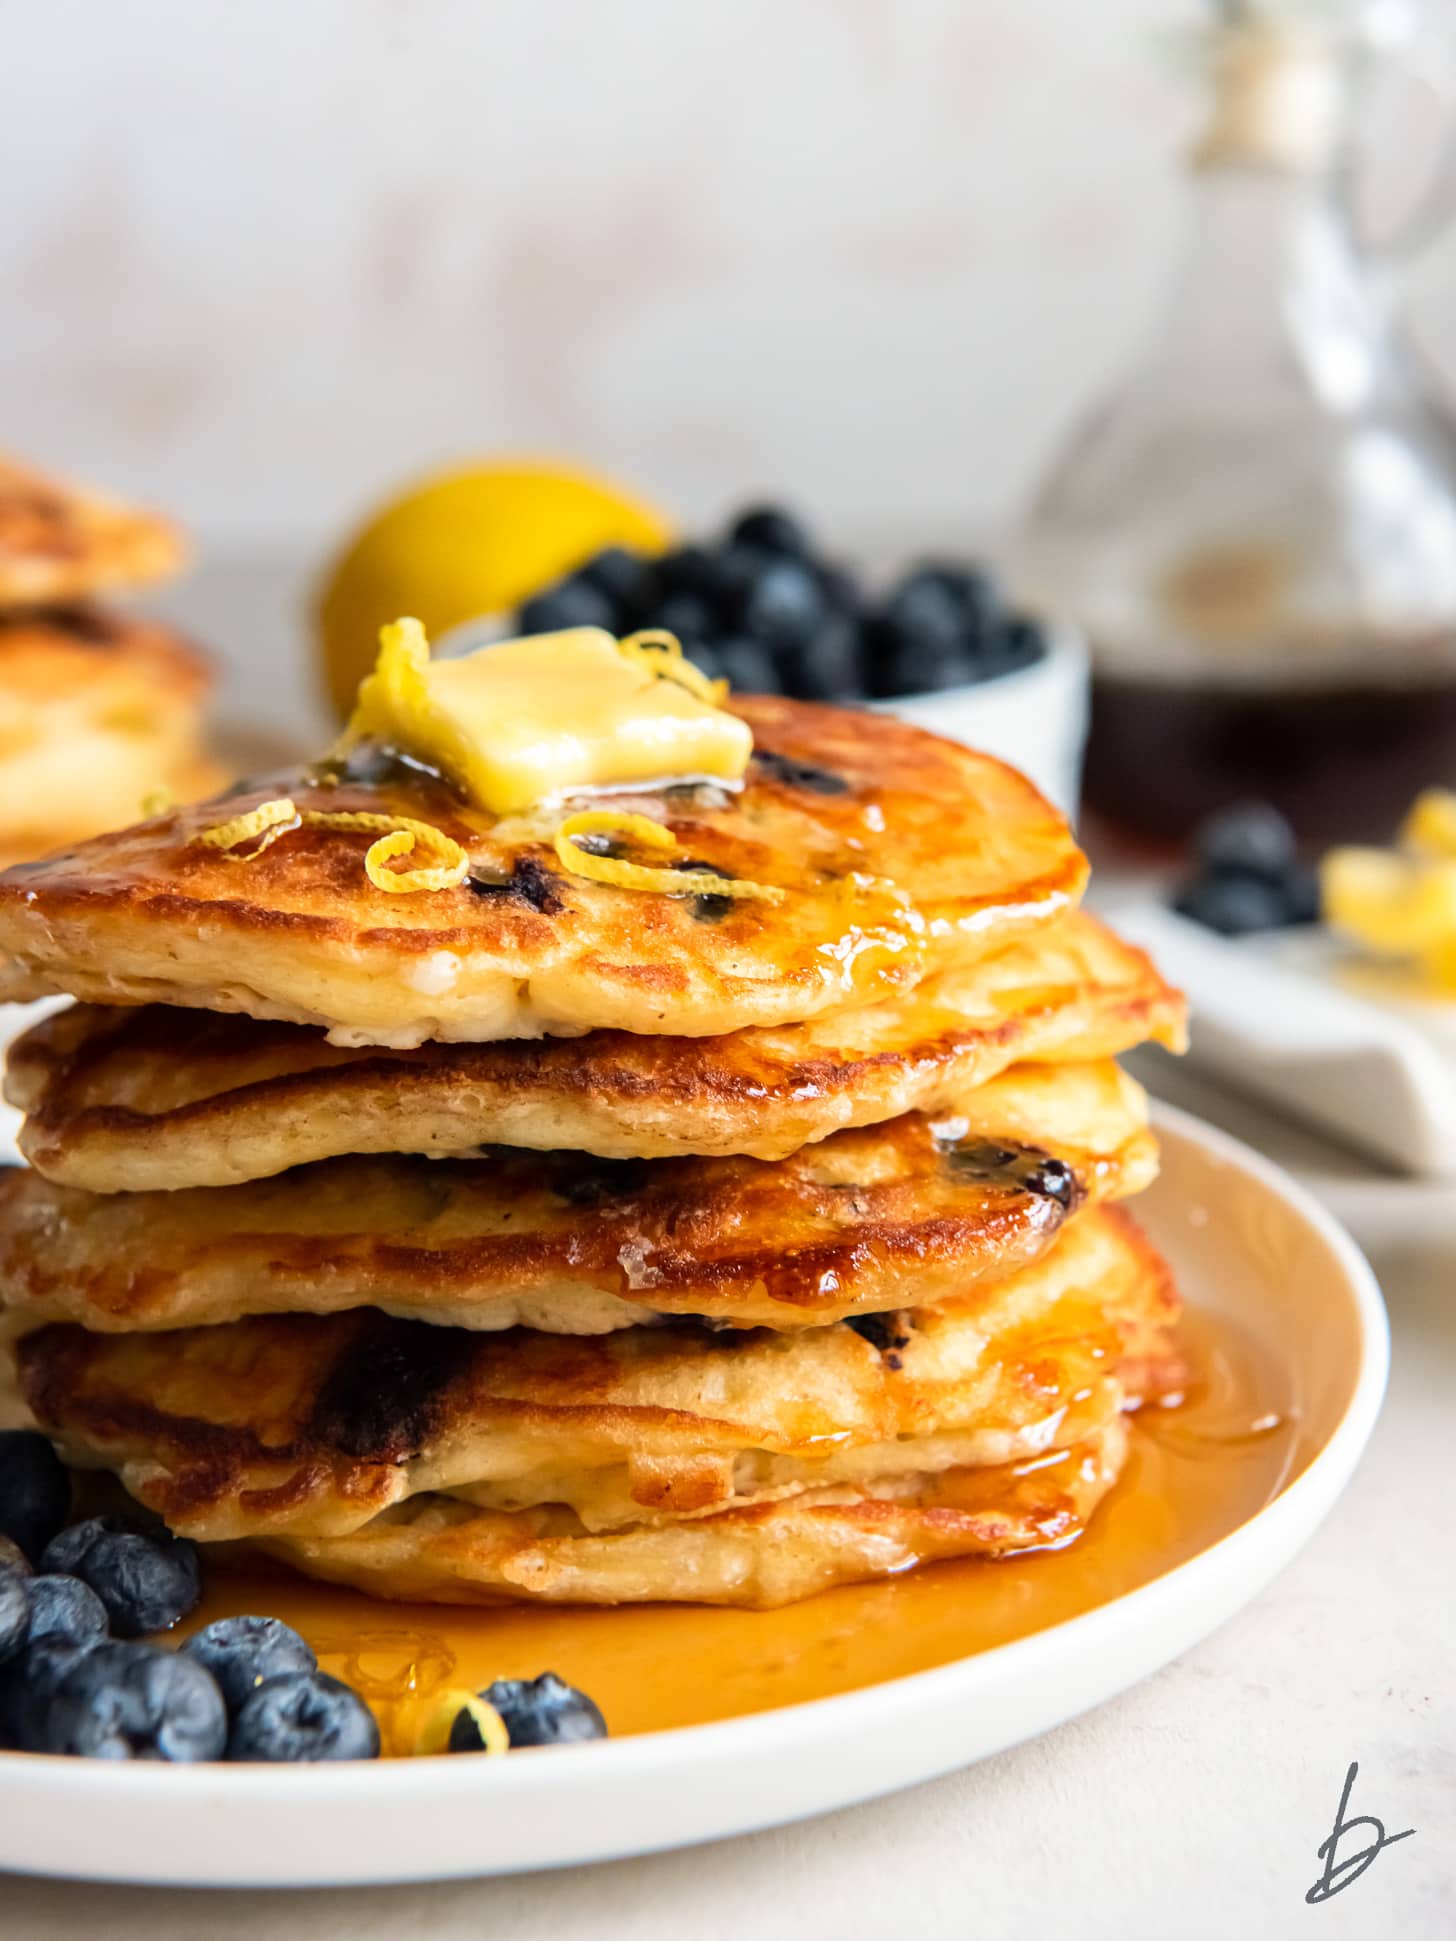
(1192, 1806)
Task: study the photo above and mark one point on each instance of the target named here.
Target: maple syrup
(1196, 1472)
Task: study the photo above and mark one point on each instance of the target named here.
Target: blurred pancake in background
(99, 710)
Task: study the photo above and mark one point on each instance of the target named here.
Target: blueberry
(574, 603)
(842, 591)
(27, 1683)
(1233, 905)
(748, 666)
(1251, 837)
(241, 1652)
(304, 1715)
(687, 615)
(918, 666)
(928, 609)
(66, 1609)
(35, 1490)
(771, 529)
(703, 656)
(692, 569)
(826, 667)
(628, 580)
(14, 1611)
(543, 1711)
(1301, 896)
(128, 1701)
(147, 1579)
(784, 605)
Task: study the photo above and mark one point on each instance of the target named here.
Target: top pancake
(159, 1098)
(60, 542)
(899, 853)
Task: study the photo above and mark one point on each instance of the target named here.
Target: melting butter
(522, 721)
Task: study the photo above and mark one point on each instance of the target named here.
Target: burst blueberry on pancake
(160, 1098)
(870, 1219)
(61, 542)
(96, 712)
(893, 853)
(311, 1426)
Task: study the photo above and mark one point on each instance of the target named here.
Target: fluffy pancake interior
(897, 852)
(124, 1100)
(314, 1425)
(873, 1218)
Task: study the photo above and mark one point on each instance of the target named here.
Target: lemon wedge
(1395, 905)
(476, 540)
(1430, 827)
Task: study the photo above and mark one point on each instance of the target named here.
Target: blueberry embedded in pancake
(312, 1425)
(874, 1218)
(160, 1098)
(930, 855)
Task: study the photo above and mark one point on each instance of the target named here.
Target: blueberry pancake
(159, 1098)
(868, 854)
(312, 1426)
(60, 542)
(874, 1218)
(439, 1550)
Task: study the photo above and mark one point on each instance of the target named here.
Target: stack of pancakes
(98, 709)
(541, 1238)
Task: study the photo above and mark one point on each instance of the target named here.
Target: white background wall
(261, 258)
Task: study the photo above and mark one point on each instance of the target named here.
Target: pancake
(898, 854)
(61, 542)
(437, 1550)
(870, 1219)
(158, 1098)
(312, 1426)
(96, 712)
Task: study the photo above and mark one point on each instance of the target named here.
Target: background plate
(1243, 1239)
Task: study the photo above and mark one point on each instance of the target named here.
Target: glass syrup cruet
(1257, 530)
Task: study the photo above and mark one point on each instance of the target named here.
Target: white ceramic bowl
(1244, 1240)
(1035, 719)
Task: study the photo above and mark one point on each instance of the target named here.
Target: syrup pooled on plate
(1196, 1472)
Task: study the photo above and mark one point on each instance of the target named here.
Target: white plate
(1243, 1239)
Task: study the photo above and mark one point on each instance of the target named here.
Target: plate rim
(87, 1786)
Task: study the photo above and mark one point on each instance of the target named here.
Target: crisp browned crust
(160, 1098)
(899, 854)
(869, 1219)
(313, 1425)
(436, 1550)
(60, 541)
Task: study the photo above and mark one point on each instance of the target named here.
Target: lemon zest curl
(624, 875)
(659, 653)
(398, 836)
(433, 1736)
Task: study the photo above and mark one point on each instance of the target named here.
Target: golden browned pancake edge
(872, 1218)
(438, 1550)
(313, 1425)
(898, 853)
(160, 1098)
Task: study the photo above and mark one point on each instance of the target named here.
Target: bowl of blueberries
(937, 644)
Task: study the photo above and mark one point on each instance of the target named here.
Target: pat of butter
(524, 720)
